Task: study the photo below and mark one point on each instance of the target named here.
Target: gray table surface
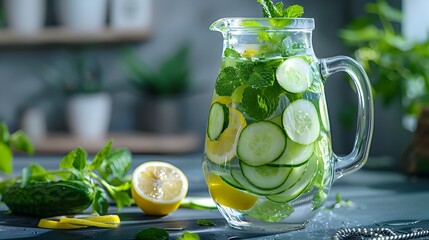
(377, 197)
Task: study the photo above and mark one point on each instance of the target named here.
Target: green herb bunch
(398, 68)
(106, 174)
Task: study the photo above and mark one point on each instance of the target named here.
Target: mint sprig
(271, 10)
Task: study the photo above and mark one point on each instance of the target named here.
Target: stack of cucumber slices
(276, 158)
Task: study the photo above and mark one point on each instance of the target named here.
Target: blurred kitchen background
(51, 50)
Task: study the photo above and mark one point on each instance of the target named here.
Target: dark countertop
(376, 197)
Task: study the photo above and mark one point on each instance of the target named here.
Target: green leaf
(189, 236)
(5, 158)
(267, 8)
(229, 52)
(21, 142)
(319, 199)
(152, 233)
(115, 167)
(261, 77)
(384, 9)
(278, 9)
(205, 222)
(122, 199)
(270, 211)
(100, 203)
(260, 103)
(294, 11)
(101, 156)
(4, 133)
(227, 81)
(76, 159)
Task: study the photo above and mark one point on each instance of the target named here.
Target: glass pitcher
(268, 160)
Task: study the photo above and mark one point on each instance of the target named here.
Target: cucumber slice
(265, 177)
(231, 181)
(260, 143)
(323, 110)
(218, 120)
(294, 175)
(299, 186)
(301, 122)
(295, 154)
(294, 75)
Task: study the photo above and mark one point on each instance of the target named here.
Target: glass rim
(261, 24)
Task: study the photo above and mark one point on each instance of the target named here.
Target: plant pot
(89, 115)
(130, 14)
(82, 15)
(25, 16)
(160, 115)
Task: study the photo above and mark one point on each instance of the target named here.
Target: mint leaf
(271, 211)
(232, 77)
(204, 222)
(5, 158)
(260, 103)
(294, 11)
(152, 233)
(278, 9)
(189, 236)
(267, 8)
(4, 133)
(115, 167)
(76, 159)
(122, 199)
(21, 142)
(101, 155)
(319, 198)
(261, 77)
(100, 203)
(229, 52)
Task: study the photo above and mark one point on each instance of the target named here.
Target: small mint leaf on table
(76, 159)
(101, 156)
(189, 236)
(152, 233)
(204, 222)
(100, 203)
(4, 133)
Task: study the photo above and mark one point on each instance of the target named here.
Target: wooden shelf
(136, 142)
(61, 35)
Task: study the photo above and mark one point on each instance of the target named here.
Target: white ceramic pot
(415, 26)
(82, 15)
(25, 16)
(130, 14)
(89, 115)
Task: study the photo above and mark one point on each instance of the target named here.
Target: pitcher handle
(365, 118)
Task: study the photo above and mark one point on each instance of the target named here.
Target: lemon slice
(89, 223)
(158, 188)
(227, 195)
(105, 219)
(52, 224)
(223, 149)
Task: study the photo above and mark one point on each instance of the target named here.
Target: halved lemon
(223, 149)
(227, 195)
(158, 188)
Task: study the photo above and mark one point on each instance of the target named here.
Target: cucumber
(294, 75)
(295, 154)
(260, 143)
(49, 198)
(294, 175)
(323, 110)
(218, 120)
(265, 177)
(299, 187)
(301, 122)
(231, 181)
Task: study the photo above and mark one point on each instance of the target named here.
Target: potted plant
(88, 107)
(161, 88)
(397, 67)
